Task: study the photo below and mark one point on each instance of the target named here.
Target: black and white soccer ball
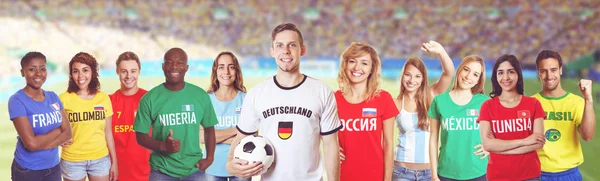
(255, 149)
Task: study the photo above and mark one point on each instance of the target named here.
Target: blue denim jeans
(405, 174)
(19, 173)
(217, 178)
(78, 170)
(156, 175)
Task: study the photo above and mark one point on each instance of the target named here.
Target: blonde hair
(355, 50)
(423, 96)
(478, 88)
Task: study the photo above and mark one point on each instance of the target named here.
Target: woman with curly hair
(90, 114)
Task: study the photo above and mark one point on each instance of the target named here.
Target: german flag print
(285, 130)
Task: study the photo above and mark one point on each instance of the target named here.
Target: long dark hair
(514, 62)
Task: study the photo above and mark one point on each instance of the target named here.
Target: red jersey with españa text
(362, 135)
(132, 158)
(511, 124)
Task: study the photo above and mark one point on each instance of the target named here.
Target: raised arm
(332, 156)
(587, 128)
(442, 84)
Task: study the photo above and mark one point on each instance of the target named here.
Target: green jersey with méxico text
(459, 134)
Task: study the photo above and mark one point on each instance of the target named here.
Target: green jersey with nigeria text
(459, 133)
(182, 111)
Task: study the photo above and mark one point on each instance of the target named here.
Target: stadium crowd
(396, 28)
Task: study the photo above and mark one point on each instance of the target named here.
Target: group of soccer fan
(134, 134)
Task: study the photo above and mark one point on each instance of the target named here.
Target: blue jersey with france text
(43, 116)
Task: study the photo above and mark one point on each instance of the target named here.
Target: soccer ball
(255, 149)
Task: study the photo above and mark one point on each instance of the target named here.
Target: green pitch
(110, 84)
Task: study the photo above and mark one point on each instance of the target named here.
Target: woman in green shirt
(461, 155)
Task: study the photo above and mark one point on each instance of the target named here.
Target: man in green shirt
(174, 111)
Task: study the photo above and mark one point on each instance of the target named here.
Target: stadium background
(61, 28)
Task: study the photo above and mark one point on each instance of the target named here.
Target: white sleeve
(249, 120)
(329, 123)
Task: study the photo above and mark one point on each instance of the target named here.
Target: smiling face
(128, 71)
(35, 73)
(226, 70)
(549, 72)
(507, 76)
(286, 49)
(359, 69)
(175, 66)
(412, 78)
(469, 75)
(82, 75)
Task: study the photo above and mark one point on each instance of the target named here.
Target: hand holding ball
(255, 149)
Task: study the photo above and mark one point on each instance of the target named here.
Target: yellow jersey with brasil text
(88, 124)
(562, 150)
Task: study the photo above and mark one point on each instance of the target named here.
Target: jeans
(405, 174)
(19, 173)
(78, 170)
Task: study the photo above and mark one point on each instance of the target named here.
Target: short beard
(289, 70)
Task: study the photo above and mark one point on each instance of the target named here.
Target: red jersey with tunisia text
(132, 158)
(511, 124)
(362, 135)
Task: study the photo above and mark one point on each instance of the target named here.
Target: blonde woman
(454, 119)
(367, 114)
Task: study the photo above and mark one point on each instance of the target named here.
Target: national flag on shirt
(55, 106)
(187, 107)
(369, 112)
(523, 114)
(99, 108)
(238, 110)
(472, 112)
(285, 130)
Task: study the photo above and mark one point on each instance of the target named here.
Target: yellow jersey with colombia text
(562, 150)
(88, 124)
